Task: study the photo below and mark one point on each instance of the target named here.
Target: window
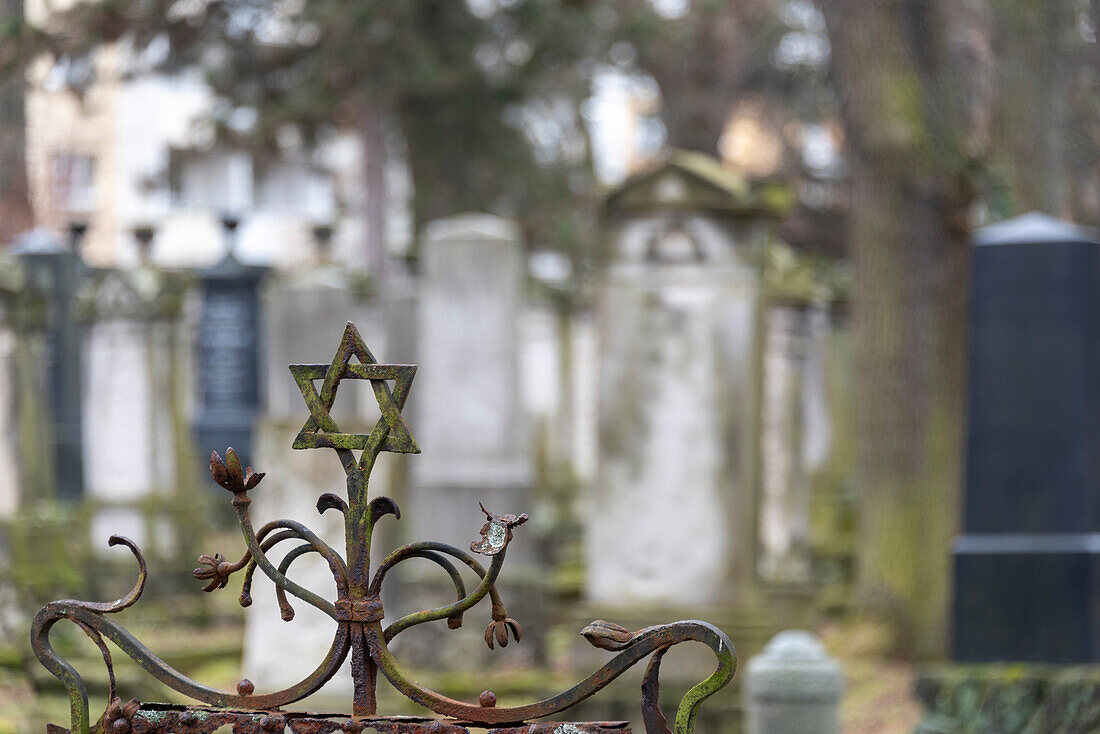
(296, 187)
(218, 180)
(73, 182)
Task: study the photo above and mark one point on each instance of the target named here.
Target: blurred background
(740, 300)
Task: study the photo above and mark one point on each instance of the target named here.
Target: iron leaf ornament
(362, 631)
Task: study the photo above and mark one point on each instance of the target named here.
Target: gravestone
(1027, 567)
(794, 437)
(466, 408)
(227, 351)
(135, 386)
(56, 270)
(467, 415)
(670, 520)
(302, 310)
(27, 457)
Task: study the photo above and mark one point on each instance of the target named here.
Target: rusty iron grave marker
(357, 609)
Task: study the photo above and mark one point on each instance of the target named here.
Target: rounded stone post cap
(794, 666)
(795, 645)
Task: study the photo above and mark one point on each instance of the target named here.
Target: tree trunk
(1085, 123)
(911, 139)
(15, 207)
(911, 312)
(703, 63)
(1034, 82)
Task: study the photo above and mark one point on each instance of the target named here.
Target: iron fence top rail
(358, 609)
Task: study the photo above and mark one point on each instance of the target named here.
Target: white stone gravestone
(795, 436)
(466, 408)
(670, 519)
(133, 394)
(304, 317)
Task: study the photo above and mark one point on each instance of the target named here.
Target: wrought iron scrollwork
(357, 609)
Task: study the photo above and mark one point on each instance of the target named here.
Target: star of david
(391, 433)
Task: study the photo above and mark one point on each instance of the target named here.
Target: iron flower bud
(229, 474)
(498, 630)
(218, 572)
(607, 635)
(119, 716)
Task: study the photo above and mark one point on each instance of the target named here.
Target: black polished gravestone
(228, 354)
(1027, 567)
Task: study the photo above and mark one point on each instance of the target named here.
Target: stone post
(27, 457)
(793, 687)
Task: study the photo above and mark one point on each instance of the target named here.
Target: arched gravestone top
(689, 181)
(472, 227)
(1033, 228)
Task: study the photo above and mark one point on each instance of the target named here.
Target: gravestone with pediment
(1027, 566)
(136, 449)
(671, 513)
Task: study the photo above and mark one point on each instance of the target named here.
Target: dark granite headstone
(57, 271)
(228, 356)
(1027, 567)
